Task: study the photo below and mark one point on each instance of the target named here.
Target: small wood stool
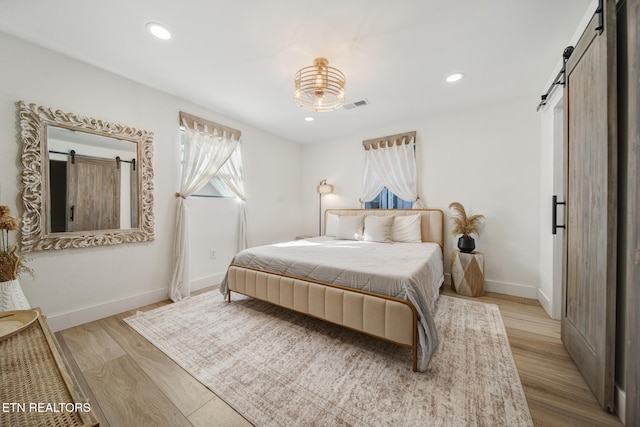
(467, 273)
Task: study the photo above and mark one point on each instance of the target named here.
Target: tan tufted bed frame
(384, 317)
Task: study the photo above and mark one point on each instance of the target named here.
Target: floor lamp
(323, 188)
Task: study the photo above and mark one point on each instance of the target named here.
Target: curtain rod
(560, 79)
(190, 118)
(397, 138)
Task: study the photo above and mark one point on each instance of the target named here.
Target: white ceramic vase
(12, 297)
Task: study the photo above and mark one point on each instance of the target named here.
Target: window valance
(388, 141)
(193, 121)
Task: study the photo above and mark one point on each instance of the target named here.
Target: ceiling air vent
(356, 104)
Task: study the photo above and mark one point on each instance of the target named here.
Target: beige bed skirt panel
(384, 317)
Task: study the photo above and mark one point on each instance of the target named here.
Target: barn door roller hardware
(554, 214)
(560, 78)
(600, 12)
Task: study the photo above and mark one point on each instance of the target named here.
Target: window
(390, 162)
(214, 188)
(387, 200)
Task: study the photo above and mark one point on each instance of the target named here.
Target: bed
(368, 282)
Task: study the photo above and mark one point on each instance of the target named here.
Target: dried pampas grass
(12, 263)
(462, 222)
(8, 222)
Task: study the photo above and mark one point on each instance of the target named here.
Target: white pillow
(377, 228)
(350, 227)
(331, 227)
(407, 229)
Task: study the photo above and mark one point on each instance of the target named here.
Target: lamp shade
(324, 188)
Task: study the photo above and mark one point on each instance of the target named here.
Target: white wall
(487, 159)
(77, 285)
(551, 166)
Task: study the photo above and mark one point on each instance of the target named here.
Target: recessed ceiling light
(309, 118)
(454, 77)
(159, 31)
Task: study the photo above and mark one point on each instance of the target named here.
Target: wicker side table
(36, 389)
(467, 273)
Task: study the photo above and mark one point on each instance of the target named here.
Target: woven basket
(33, 372)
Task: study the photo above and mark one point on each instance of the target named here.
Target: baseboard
(58, 322)
(70, 319)
(545, 302)
(621, 404)
(523, 291)
(205, 282)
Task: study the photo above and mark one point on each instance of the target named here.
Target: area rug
(280, 368)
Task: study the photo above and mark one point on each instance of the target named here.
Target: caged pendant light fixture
(319, 87)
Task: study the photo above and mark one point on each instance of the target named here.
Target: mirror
(86, 182)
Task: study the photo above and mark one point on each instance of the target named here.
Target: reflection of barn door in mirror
(58, 196)
(94, 195)
(589, 292)
(134, 196)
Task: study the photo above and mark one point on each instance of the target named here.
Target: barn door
(632, 226)
(589, 291)
(94, 195)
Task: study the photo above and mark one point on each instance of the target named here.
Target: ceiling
(239, 57)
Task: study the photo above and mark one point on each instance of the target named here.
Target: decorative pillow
(377, 228)
(331, 227)
(407, 229)
(350, 227)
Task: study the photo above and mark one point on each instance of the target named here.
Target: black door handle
(72, 209)
(554, 214)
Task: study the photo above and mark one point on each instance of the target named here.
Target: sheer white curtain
(231, 174)
(371, 184)
(205, 152)
(392, 166)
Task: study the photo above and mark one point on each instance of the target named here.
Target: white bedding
(410, 271)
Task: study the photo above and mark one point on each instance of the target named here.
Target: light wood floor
(130, 382)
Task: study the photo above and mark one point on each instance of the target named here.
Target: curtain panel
(390, 163)
(233, 177)
(206, 150)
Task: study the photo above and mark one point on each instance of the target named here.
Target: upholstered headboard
(432, 220)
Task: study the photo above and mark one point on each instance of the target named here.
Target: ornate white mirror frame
(36, 230)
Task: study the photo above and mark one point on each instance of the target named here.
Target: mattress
(409, 271)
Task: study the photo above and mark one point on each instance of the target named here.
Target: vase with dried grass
(12, 263)
(464, 225)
